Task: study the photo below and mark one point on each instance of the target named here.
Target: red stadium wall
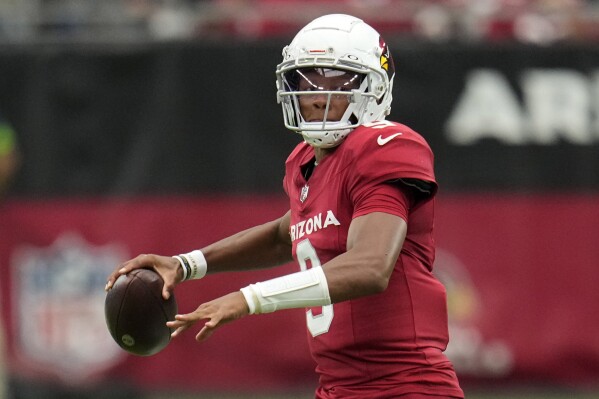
(520, 270)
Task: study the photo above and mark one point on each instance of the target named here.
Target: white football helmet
(337, 42)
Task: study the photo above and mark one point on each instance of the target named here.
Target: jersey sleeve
(406, 160)
(386, 198)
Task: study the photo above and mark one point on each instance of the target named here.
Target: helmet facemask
(340, 86)
(327, 131)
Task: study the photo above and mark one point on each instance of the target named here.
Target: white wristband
(298, 290)
(183, 266)
(194, 265)
(198, 263)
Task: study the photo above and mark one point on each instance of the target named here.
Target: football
(136, 314)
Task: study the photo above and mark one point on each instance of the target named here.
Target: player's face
(314, 107)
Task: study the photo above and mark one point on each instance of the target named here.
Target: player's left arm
(373, 246)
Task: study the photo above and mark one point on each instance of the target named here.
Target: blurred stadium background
(132, 126)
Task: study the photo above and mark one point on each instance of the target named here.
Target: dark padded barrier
(195, 117)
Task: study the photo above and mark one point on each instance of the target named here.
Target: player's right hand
(217, 312)
(167, 266)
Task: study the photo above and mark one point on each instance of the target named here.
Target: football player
(360, 227)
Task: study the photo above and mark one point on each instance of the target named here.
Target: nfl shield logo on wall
(304, 193)
(59, 301)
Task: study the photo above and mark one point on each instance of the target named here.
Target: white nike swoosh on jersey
(382, 141)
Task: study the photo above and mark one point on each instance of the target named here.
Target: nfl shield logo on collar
(304, 193)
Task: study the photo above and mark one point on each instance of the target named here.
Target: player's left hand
(218, 312)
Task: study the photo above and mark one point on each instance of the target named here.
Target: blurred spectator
(9, 162)
(9, 155)
(530, 21)
(434, 22)
(172, 19)
(549, 21)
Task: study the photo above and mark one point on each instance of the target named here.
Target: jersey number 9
(317, 324)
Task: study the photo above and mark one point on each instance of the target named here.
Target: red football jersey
(391, 343)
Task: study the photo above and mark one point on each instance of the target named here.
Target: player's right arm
(261, 246)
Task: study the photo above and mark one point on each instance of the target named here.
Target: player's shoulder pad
(382, 133)
(390, 150)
